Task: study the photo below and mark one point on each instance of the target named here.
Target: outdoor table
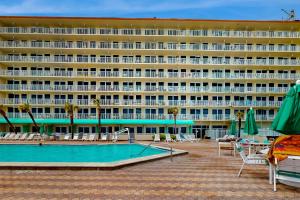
(255, 144)
(258, 144)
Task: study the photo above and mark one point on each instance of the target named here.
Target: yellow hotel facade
(138, 68)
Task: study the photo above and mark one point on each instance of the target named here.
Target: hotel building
(208, 69)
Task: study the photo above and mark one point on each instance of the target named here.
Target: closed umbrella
(232, 128)
(250, 124)
(42, 129)
(287, 120)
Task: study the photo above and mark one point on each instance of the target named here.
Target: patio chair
(252, 159)
(168, 138)
(156, 137)
(287, 171)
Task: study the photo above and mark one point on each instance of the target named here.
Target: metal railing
(149, 32)
(138, 88)
(147, 46)
(117, 74)
(154, 60)
(203, 117)
(114, 102)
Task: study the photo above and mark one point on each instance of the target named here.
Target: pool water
(74, 153)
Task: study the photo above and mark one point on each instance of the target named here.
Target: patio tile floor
(199, 175)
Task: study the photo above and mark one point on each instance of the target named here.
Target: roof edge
(153, 19)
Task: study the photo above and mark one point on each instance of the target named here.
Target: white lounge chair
(179, 138)
(11, 136)
(67, 137)
(2, 135)
(114, 137)
(85, 136)
(252, 159)
(92, 137)
(156, 137)
(76, 136)
(31, 136)
(104, 137)
(168, 138)
(23, 136)
(190, 137)
(222, 138)
(17, 136)
(6, 136)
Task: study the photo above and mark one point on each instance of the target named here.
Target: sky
(194, 9)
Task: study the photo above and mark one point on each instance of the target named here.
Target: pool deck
(201, 174)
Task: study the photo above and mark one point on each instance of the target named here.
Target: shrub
(173, 137)
(163, 137)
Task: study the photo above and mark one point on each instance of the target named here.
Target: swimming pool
(75, 153)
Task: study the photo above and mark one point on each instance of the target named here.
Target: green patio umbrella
(250, 124)
(42, 129)
(287, 120)
(232, 128)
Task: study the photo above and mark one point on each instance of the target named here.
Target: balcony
(92, 45)
(116, 60)
(204, 117)
(154, 32)
(171, 89)
(140, 102)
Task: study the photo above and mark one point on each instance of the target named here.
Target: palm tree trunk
(34, 123)
(240, 124)
(99, 123)
(72, 125)
(175, 130)
(7, 120)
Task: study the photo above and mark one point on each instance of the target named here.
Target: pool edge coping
(92, 165)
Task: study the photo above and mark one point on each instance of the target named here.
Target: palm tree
(3, 113)
(70, 108)
(174, 111)
(240, 115)
(25, 107)
(97, 102)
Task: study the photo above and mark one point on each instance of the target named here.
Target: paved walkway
(199, 175)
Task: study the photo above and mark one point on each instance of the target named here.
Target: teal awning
(95, 121)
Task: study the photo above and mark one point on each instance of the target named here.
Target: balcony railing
(138, 88)
(149, 33)
(117, 60)
(144, 46)
(139, 102)
(117, 74)
(203, 117)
